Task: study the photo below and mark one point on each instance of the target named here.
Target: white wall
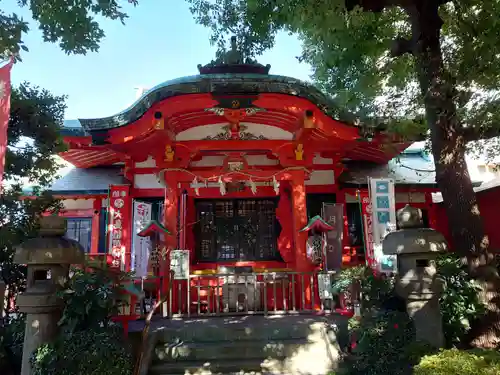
(481, 170)
(204, 131)
(78, 204)
(146, 181)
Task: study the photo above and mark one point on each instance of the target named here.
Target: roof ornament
(233, 61)
(233, 56)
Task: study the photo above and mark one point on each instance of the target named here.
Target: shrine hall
(224, 177)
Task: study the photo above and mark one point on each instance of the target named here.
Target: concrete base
(427, 317)
(40, 328)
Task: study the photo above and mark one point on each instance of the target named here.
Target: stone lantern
(48, 258)
(416, 281)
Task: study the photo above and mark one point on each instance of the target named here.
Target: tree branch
(400, 46)
(380, 5)
(479, 133)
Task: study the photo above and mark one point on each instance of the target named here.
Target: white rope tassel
(222, 186)
(253, 187)
(195, 185)
(276, 185)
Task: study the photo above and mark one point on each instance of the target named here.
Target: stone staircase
(292, 345)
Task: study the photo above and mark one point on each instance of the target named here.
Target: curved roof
(244, 84)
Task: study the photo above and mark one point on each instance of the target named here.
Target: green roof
(212, 83)
(317, 223)
(152, 227)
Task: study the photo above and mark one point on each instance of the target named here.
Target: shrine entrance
(232, 230)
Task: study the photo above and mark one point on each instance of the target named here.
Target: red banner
(366, 208)
(4, 114)
(119, 211)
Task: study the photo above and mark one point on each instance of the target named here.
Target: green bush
(90, 352)
(383, 343)
(375, 290)
(89, 344)
(11, 343)
(459, 362)
(90, 299)
(459, 303)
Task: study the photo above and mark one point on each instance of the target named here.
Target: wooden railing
(250, 293)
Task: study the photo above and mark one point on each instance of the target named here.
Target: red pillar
(299, 212)
(97, 205)
(431, 210)
(346, 249)
(170, 212)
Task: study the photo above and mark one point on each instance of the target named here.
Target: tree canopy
(394, 60)
(36, 117)
(73, 26)
(33, 143)
(353, 58)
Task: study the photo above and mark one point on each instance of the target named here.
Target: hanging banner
(119, 224)
(5, 88)
(333, 214)
(141, 246)
(383, 202)
(325, 288)
(366, 209)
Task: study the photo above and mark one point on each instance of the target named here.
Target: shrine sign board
(383, 202)
(366, 208)
(141, 246)
(118, 225)
(333, 214)
(179, 264)
(325, 288)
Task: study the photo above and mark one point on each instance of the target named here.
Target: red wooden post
(170, 212)
(299, 212)
(96, 215)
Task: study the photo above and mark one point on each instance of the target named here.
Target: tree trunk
(452, 176)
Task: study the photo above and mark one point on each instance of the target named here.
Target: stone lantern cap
(411, 238)
(50, 247)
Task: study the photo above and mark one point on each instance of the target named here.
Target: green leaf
(73, 28)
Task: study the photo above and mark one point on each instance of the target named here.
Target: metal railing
(249, 293)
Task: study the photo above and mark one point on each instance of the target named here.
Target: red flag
(4, 114)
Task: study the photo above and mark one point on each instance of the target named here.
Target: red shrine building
(232, 167)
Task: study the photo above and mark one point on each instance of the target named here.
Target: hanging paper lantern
(314, 248)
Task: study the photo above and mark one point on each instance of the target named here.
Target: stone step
(237, 329)
(255, 366)
(224, 350)
(242, 372)
(292, 345)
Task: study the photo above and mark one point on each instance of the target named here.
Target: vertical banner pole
(383, 202)
(5, 92)
(363, 223)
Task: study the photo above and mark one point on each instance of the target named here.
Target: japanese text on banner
(366, 208)
(119, 222)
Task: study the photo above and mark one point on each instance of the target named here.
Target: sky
(160, 41)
